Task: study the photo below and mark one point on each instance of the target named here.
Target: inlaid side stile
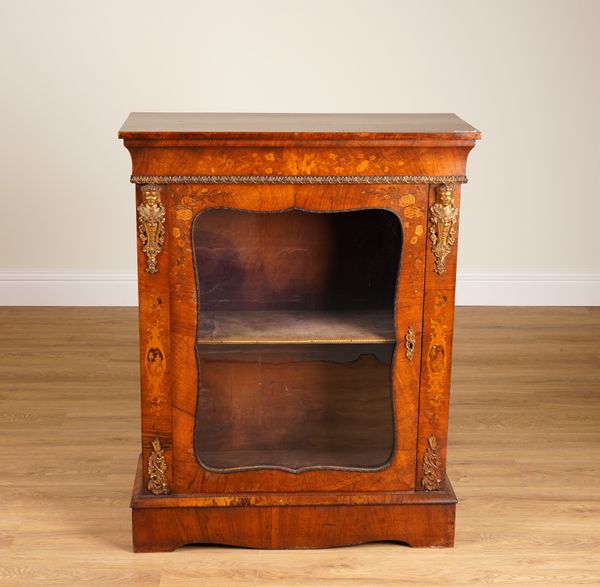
(154, 316)
(438, 326)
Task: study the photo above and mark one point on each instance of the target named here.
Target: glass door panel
(295, 338)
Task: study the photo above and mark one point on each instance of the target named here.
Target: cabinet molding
(296, 179)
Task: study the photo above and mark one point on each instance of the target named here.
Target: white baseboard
(22, 288)
(41, 288)
(528, 289)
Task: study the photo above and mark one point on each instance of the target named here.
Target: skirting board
(22, 288)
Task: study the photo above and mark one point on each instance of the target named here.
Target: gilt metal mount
(443, 216)
(297, 179)
(157, 470)
(432, 480)
(151, 225)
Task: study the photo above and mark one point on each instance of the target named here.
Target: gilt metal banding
(442, 229)
(432, 480)
(157, 470)
(298, 179)
(151, 225)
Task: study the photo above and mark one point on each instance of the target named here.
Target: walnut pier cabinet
(296, 293)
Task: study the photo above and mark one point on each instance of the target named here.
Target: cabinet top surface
(158, 125)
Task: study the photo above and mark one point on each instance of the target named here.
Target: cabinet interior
(295, 338)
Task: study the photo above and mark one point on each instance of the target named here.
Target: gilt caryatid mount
(443, 218)
(151, 230)
(296, 281)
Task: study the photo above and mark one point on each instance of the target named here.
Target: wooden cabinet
(296, 284)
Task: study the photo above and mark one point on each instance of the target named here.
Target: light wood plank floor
(524, 458)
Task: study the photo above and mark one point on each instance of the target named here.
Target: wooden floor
(524, 459)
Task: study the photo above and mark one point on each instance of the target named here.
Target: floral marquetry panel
(301, 162)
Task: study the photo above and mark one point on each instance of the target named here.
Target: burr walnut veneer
(296, 285)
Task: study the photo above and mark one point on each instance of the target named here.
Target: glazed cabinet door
(283, 334)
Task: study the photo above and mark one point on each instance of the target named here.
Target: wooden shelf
(296, 460)
(296, 327)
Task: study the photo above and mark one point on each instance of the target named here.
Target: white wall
(525, 72)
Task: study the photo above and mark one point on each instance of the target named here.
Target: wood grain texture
(292, 527)
(523, 454)
(314, 408)
(295, 259)
(295, 326)
(269, 157)
(157, 125)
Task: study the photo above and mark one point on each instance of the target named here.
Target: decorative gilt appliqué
(410, 343)
(157, 470)
(442, 229)
(151, 225)
(432, 463)
(296, 179)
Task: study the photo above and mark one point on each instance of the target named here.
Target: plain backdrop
(524, 72)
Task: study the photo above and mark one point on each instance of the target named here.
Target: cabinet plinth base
(287, 521)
